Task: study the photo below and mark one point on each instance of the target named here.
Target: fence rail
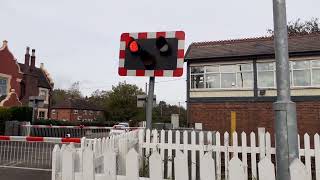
(186, 155)
(30, 152)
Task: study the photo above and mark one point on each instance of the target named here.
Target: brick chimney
(27, 57)
(33, 60)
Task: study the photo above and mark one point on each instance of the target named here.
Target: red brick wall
(61, 114)
(68, 114)
(251, 115)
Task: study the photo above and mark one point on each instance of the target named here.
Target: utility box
(175, 121)
(198, 126)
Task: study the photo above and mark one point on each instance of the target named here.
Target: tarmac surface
(23, 174)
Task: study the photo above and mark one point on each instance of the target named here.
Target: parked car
(118, 129)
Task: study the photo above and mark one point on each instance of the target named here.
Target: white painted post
(253, 155)
(244, 154)
(201, 144)
(266, 170)
(132, 165)
(207, 169)
(236, 169)
(170, 158)
(193, 156)
(307, 155)
(298, 170)
(155, 166)
(185, 143)
(218, 156)
(317, 155)
(181, 166)
(55, 162)
(141, 141)
(110, 165)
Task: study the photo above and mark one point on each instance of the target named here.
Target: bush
(21, 113)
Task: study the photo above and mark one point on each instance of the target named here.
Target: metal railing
(30, 152)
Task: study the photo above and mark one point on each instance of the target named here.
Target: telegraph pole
(150, 103)
(285, 109)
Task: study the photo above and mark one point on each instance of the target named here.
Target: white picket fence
(180, 155)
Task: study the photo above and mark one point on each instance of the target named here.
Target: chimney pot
(33, 60)
(27, 57)
(33, 52)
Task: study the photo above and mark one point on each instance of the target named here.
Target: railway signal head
(152, 54)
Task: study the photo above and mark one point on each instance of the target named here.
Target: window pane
(266, 79)
(198, 69)
(3, 87)
(316, 77)
(228, 80)
(301, 78)
(300, 64)
(265, 66)
(212, 69)
(213, 80)
(245, 67)
(197, 81)
(245, 80)
(228, 68)
(315, 63)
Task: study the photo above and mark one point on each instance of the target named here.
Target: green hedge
(14, 114)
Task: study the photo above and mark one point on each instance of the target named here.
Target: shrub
(21, 113)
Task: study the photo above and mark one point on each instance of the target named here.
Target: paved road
(23, 174)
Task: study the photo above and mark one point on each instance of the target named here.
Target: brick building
(76, 110)
(19, 81)
(239, 75)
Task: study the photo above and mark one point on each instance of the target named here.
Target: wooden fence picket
(262, 144)
(244, 154)
(169, 158)
(253, 155)
(236, 169)
(193, 156)
(88, 164)
(110, 165)
(155, 166)
(201, 143)
(235, 144)
(218, 155)
(162, 148)
(55, 162)
(266, 169)
(155, 139)
(67, 169)
(185, 143)
(207, 167)
(298, 170)
(226, 154)
(132, 165)
(181, 166)
(307, 155)
(317, 155)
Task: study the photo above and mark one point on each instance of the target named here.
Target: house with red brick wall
(19, 81)
(76, 110)
(240, 75)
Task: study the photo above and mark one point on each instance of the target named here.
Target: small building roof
(77, 104)
(258, 46)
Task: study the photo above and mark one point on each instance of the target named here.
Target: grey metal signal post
(285, 109)
(150, 102)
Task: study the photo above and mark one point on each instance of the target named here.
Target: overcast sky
(78, 40)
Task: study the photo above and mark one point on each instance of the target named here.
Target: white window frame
(8, 78)
(75, 111)
(53, 111)
(310, 68)
(220, 73)
(45, 113)
(274, 75)
(46, 99)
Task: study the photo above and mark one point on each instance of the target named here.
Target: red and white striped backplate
(125, 37)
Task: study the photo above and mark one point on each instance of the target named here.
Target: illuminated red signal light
(133, 46)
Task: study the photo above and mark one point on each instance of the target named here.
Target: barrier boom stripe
(40, 139)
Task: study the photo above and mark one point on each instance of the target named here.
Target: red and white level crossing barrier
(40, 139)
